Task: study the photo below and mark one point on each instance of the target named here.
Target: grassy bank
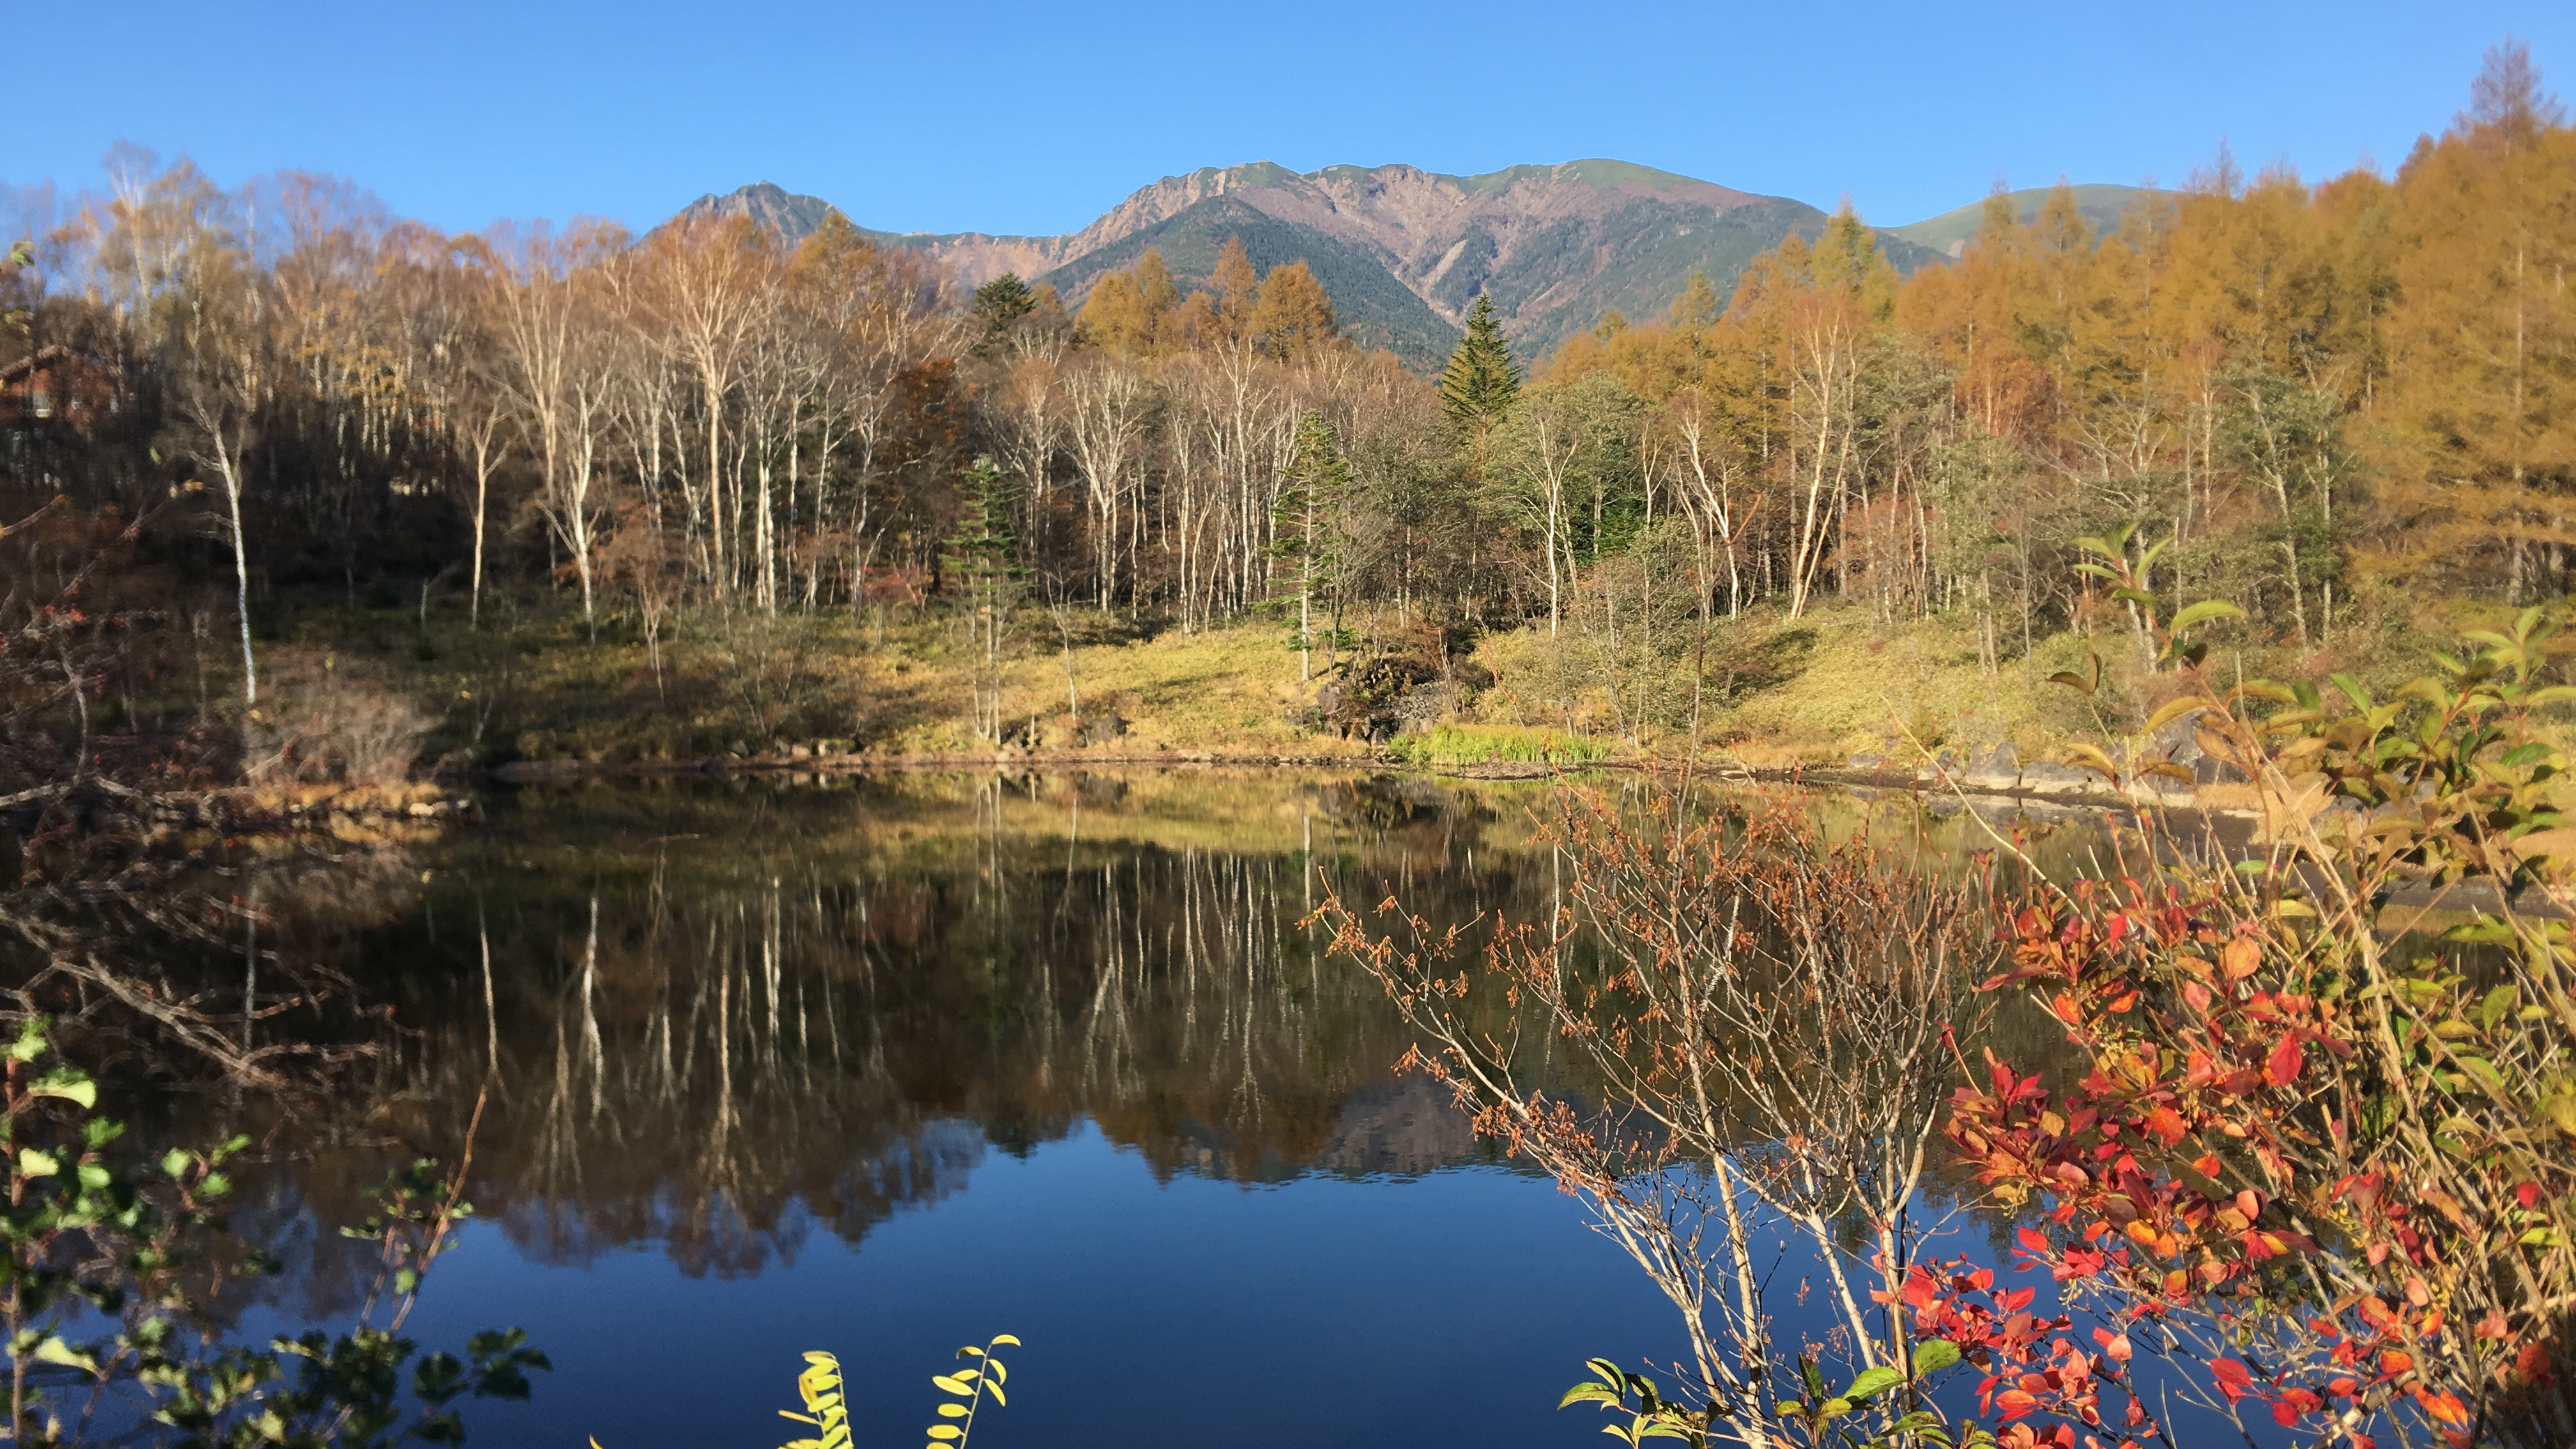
(531, 682)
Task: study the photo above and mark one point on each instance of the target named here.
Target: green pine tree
(978, 556)
(1481, 379)
(998, 304)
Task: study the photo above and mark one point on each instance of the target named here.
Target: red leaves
(2198, 1025)
(2294, 1405)
(2282, 1067)
(2443, 1407)
(2234, 1379)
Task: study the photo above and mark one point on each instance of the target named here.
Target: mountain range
(1404, 252)
(1948, 233)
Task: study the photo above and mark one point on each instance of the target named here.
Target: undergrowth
(1468, 744)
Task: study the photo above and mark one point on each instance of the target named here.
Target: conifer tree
(998, 304)
(1313, 490)
(1481, 380)
(978, 554)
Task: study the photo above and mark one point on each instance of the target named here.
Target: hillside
(1375, 308)
(1404, 252)
(1948, 233)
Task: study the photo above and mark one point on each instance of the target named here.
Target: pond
(886, 1065)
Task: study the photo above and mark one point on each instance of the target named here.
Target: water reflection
(722, 1028)
(694, 1009)
(694, 1005)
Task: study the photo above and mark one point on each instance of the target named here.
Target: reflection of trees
(717, 1016)
(1770, 1021)
(189, 974)
(721, 1043)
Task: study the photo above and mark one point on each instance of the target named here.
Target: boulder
(2047, 777)
(1995, 769)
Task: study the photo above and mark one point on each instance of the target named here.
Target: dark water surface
(884, 1066)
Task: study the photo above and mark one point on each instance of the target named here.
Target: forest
(267, 443)
(309, 513)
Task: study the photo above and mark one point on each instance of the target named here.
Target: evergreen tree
(1314, 489)
(998, 304)
(1481, 379)
(978, 555)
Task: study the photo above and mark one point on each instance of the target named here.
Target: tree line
(2324, 403)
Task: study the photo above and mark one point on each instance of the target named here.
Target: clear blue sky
(1011, 117)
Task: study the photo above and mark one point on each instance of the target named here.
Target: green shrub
(1454, 744)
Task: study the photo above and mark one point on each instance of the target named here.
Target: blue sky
(1010, 117)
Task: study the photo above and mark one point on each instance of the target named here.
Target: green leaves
(2202, 612)
(52, 1349)
(1933, 1355)
(31, 1042)
(141, 1244)
(1652, 1418)
(66, 1084)
(1872, 1382)
(1589, 1393)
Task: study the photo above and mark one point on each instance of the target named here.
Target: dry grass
(1230, 691)
(1780, 692)
(532, 685)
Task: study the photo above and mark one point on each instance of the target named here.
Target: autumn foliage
(2321, 1152)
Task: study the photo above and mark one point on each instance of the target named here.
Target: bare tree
(1764, 1020)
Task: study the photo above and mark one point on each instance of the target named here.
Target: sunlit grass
(1455, 744)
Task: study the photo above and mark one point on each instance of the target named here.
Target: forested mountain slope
(1403, 252)
(1949, 232)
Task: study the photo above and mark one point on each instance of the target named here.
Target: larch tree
(1293, 318)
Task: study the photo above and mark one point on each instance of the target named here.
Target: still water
(887, 1065)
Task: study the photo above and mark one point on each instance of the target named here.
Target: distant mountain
(1375, 307)
(766, 202)
(1949, 232)
(1401, 251)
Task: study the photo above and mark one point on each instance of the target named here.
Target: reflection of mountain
(715, 1017)
(1405, 1128)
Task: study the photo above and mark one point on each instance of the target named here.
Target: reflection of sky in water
(1447, 1309)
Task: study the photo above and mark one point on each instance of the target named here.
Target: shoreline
(1721, 767)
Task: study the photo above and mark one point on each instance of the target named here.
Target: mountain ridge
(1402, 251)
(2101, 204)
